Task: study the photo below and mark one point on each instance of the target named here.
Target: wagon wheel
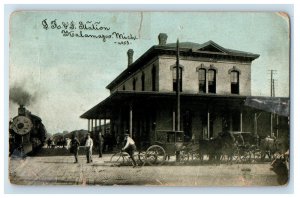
(155, 155)
(142, 157)
(257, 155)
(195, 155)
(117, 159)
(246, 156)
(184, 156)
(235, 155)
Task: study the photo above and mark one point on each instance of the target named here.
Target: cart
(167, 143)
(246, 149)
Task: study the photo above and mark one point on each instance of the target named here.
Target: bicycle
(123, 158)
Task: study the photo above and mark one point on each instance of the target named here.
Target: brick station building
(215, 85)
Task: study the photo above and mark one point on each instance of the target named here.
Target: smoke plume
(18, 95)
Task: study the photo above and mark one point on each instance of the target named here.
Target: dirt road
(57, 170)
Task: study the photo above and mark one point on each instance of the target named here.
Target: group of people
(129, 147)
(50, 143)
(62, 142)
(88, 147)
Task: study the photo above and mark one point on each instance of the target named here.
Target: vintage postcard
(149, 98)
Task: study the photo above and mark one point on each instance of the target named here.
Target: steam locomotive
(27, 134)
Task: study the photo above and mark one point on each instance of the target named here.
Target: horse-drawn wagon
(246, 147)
(167, 143)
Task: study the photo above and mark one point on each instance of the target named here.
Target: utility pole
(177, 97)
(272, 86)
(272, 82)
(177, 89)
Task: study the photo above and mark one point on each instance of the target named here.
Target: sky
(66, 76)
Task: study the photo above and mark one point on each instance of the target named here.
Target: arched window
(211, 81)
(202, 80)
(134, 84)
(179, 79)
(235, 78)
(153, 72)
(143, 81)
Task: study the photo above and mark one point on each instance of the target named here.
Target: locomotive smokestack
(21, 110)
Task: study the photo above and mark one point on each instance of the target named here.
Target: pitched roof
(186, 48)
(211, 46)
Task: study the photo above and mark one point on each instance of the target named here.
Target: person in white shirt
(89, 148)
(129, 147)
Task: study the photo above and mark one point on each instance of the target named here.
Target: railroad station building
(215, 95)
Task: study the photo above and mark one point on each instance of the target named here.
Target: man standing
(74, 147)
(100, 144)
(89, 148)
(129, 148)
(49, 143)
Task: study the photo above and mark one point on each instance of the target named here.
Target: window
(202, 80)
(123, 87)
(235, 123)
(133, 84)
(153, 72)
(179, 80)
(234, 78)
(211, 81)
(143, 81)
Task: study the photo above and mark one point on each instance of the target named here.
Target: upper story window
(179, 78)
(143, 81)
(202, 80)
(211, 81)
(153, 73)
(124, 87)
(235, 78)
(134, 84)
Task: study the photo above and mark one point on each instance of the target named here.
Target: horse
(215, 148)
(228, 145)
(270, 145)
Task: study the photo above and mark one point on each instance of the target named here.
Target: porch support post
(208, 125)
(255, 124)
(230, 118)
(174, 121)
(241, 121)
(130, 120)
(104, 125)
(92, 129)
(88, 125)
(95, 126)
(271, 124)
(98, 124)
(277, 126)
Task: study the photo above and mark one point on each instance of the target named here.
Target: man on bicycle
(129, 147)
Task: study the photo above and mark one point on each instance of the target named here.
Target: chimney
(162, 38)
(130, 56)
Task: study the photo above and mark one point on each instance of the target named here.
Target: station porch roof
(103, 110)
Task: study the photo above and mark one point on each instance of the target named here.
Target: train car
(27, 134)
